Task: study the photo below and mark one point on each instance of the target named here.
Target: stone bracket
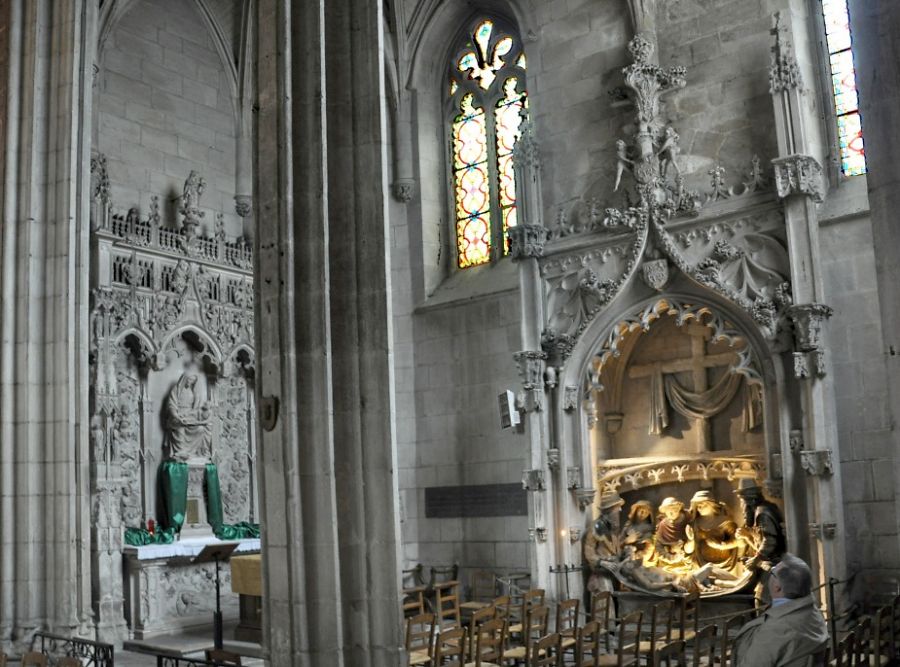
(573, 477)
(822, 531)
(553, 459)
(538, 534)
(799, 175)
(533, 480)
(817, 462)
(585, 497)
(795, 440)
(527, 241)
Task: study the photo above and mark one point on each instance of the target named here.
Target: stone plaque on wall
(482, 500)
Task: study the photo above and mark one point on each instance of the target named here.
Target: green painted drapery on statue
(223, 531)
(174, 488)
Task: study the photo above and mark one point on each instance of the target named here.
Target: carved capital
(799, 175)
(573, 477)
(533, 480)
(553, 459)
(808, 319)
(816, 462)
(531, 367)
(585, 498)
(243, 205)
(404, 189)
(527, 241)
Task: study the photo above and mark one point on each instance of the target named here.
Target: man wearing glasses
(792, 630)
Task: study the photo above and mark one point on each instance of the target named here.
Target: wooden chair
(532, 598)
(450, 648)
(659, 630)
(882, 646)
(846, 648)
(602, 611)
(220, 656)
(534, 628)
(671, 654)
(71, 661)
(567, 623)
(443, 574)
(689, 618)
(419, 639)
(587, 650)
(503, 605)
(704, 649)
(729, 629)
(628, 642)
(862, 648)
(483, 590)
(489, 644)
(35, 659)
(547, 652)
(475, 621)
(3, 659)
(414, 590)
(446, 604)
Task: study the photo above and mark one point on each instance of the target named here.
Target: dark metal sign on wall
(482, 500)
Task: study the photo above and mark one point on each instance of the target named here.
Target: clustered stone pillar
(327, 455)
(46, 58)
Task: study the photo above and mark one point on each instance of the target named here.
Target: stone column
(800, 183)
(875, 24)
(45, 82)
(327, 454)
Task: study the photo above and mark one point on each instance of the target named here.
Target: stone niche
(172, 360)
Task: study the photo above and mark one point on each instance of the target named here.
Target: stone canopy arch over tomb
(727, 258)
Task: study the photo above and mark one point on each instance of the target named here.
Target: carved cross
(698, 364)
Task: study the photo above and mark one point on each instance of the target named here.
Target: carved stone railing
(633, 474)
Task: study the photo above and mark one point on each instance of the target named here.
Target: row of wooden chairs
(874, 641)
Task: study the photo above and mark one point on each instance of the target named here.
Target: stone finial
(784, 72)
(799, 175)
(526, 150)
(527, 241)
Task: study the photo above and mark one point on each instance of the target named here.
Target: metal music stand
(218, 553)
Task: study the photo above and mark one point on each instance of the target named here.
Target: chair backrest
(671, 654)
(420, 632)
(503, 605)
(450, 648)
(843, 657)
(532, 598)
(478, 617)
(705, 646)
(222, 657)
(587, 648)
(35, 659)
(489, 642)
(882, 643)
(729, 630)
(567, 617)
(483, 586)
(689, 615)
(68, 661)
(629, 638)
(413, 588)
(862, 649)
(446, 603)
(659, 631)
(547, 652)
(535, 626)
(442, 574)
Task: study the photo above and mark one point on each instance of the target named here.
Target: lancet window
(487, 104)
(843, 82)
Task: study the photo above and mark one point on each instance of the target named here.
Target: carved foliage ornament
(808, 319)
(799, 175)
(527, 241)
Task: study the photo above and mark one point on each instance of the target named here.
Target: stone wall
(165, 107)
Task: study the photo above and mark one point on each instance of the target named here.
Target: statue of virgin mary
(187, 416)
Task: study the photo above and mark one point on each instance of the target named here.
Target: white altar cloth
(189, 547)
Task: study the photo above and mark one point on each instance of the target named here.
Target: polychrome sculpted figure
(764, 530)
(713, 533)
(639, 527)
(671, 531)
(602, 546)
(187, 421)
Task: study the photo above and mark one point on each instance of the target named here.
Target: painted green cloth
(237, 531)
(213, 497)
(174, 487)
(138, 537)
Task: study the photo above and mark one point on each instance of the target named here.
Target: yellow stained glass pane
(473, 237)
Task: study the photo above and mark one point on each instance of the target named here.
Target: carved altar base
(165, 594)
(196, 521)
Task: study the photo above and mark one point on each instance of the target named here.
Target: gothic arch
(215, 353)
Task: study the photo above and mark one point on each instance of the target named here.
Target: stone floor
(190, 644)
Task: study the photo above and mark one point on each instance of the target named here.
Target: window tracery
(487, 105)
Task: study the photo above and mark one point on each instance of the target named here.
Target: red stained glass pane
(471, 184)
(853, 155)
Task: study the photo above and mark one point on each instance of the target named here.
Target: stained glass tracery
(843, 82)
(489, 104)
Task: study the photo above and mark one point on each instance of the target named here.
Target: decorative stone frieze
(817, 462)
(573, 477)
(404, 190)
(527, 241)
(533, 480)
(799, 175)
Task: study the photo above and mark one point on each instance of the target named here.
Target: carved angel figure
(623, 162)
(668, 151)
(187, 421)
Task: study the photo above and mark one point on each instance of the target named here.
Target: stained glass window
(488, 104)
(843, 83)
